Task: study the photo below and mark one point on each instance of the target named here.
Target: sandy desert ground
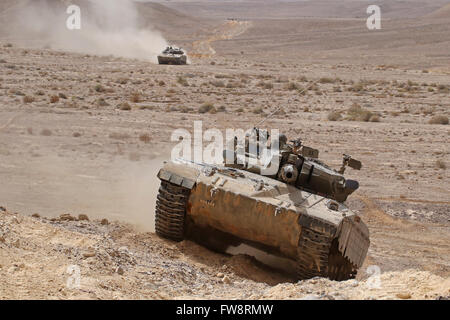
(85, 133)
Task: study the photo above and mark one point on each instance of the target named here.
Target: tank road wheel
(171, 211)
(318, 256)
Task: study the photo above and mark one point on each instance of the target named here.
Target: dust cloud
(108, 27)
(121, 190)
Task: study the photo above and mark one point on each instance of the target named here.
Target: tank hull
(269, 213)
(172, 59)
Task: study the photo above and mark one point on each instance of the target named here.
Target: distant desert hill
(441, 13)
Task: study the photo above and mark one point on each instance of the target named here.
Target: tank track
(171, 211)
(318, 256)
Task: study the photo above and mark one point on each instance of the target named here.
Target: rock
(220, 275)
(104, 222)
(403, 295)
(120, 270)
(226, 280)
(15, 220)
(66, 217)
(2, 239)
(2, 209)
(13, 269)
(82, 217)
(89, 254)
(35, 215)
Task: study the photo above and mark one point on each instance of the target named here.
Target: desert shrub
(28, 99)
(102, 103)
(357, 87)
(62, 95)
(119, 136)
(99, 88)
(438, 120)
(46, 132)
(125, 106)
(182, 81)
(441, 164)
(258, 110)
(217, 83)
(145, 137)
(221, 109)
(327, 80)
(135, 97)
(122, 81)
(54, 99)
(334, 116)
(375, 118)
(357, 113)
(265, 85)
(207, 107)
(292, 86)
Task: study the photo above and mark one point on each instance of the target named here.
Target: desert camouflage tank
(298, 213)
(172, 55)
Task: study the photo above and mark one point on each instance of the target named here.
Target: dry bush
(221, 109)
(182, 81)
(375, 118)
(357, 113)
(146, 107)
(207, 108)
(265, 85)
(334, 116)
(292, 86)
(99, 88)
(443, 88)
(122, 80)
(102, 103)
(258, 110)
(119, 136)
(28, 99)
(54, 99)
(441, 164)
(135, 97)
(438, 120)
(358, 87)
(327, 80)
(145, 137)
(217, 83)
(124, 106)
(46, 132)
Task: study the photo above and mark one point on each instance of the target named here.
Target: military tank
(172, 55)
(299, 212)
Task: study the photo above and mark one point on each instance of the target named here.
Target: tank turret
(298, 165)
